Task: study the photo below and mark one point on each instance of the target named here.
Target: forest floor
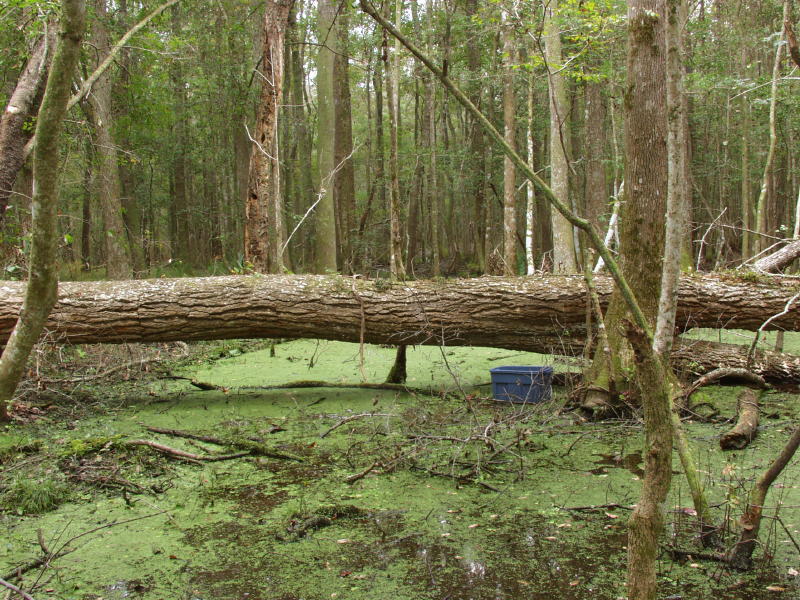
(355, 493)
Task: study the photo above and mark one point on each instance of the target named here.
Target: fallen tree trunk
(780, 259)
(697, 358)
(543, 313)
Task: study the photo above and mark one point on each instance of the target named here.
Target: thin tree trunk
(325, 221)
(530, 207)
(432, 187)
(179, 211)
(396, 264)
(763, 195)
(344, 188)
(21, 107)
(42, 287)
(509, 133)
(119, 262)
(595, 194)
(563, 240)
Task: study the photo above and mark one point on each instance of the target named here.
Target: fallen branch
(353, 418)
(106, 373)
(360, 475)
(747, 425)
(723, 373)
(16, 590)
(592, 507)
(460, 478)
(183, 455)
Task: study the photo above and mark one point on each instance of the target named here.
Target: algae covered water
(435, 492)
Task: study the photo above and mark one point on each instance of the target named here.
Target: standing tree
(21, 107)
(509, 133)
(42, 289)
(119, 264)
(325, 230)
(563, 239)
(263, 234)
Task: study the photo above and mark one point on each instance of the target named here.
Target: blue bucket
(523, 385)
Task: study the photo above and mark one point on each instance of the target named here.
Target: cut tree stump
(747, 426)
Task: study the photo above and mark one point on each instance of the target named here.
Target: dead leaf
(776, 588)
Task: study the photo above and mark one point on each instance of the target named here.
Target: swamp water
(427, 497)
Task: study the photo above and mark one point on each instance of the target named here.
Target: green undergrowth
(421, 496)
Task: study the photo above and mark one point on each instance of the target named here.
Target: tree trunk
(344, 182)
(325, 218)
(477, 148)
(108, 187)
(179, 210)
(780, 259)
(544, 313)
(509, 133)
(563, 240)
(596, 195)
(20, 109)
(42, 287)
(392, 67)
(740, 556)
(762, 242)
(263, 239)
(530, 204)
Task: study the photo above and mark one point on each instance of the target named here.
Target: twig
(705, 235)
(353, 418)
(789, 533)
(461, 478)
(64, 550)
(592, 507)
(752, 351)
(188, 435)
(188, 456)
(16, 590)
(107, 372)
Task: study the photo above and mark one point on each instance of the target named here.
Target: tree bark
(263, 239)
(543, 313)
(780, 259)
(108, 187)
(325, 217)
(509, 133)
(563, 239)
(20, 108)
(42, 286)
(344, 182)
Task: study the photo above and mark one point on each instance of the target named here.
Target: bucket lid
(523, 370)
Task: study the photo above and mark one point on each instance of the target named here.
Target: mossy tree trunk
(42, 286)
